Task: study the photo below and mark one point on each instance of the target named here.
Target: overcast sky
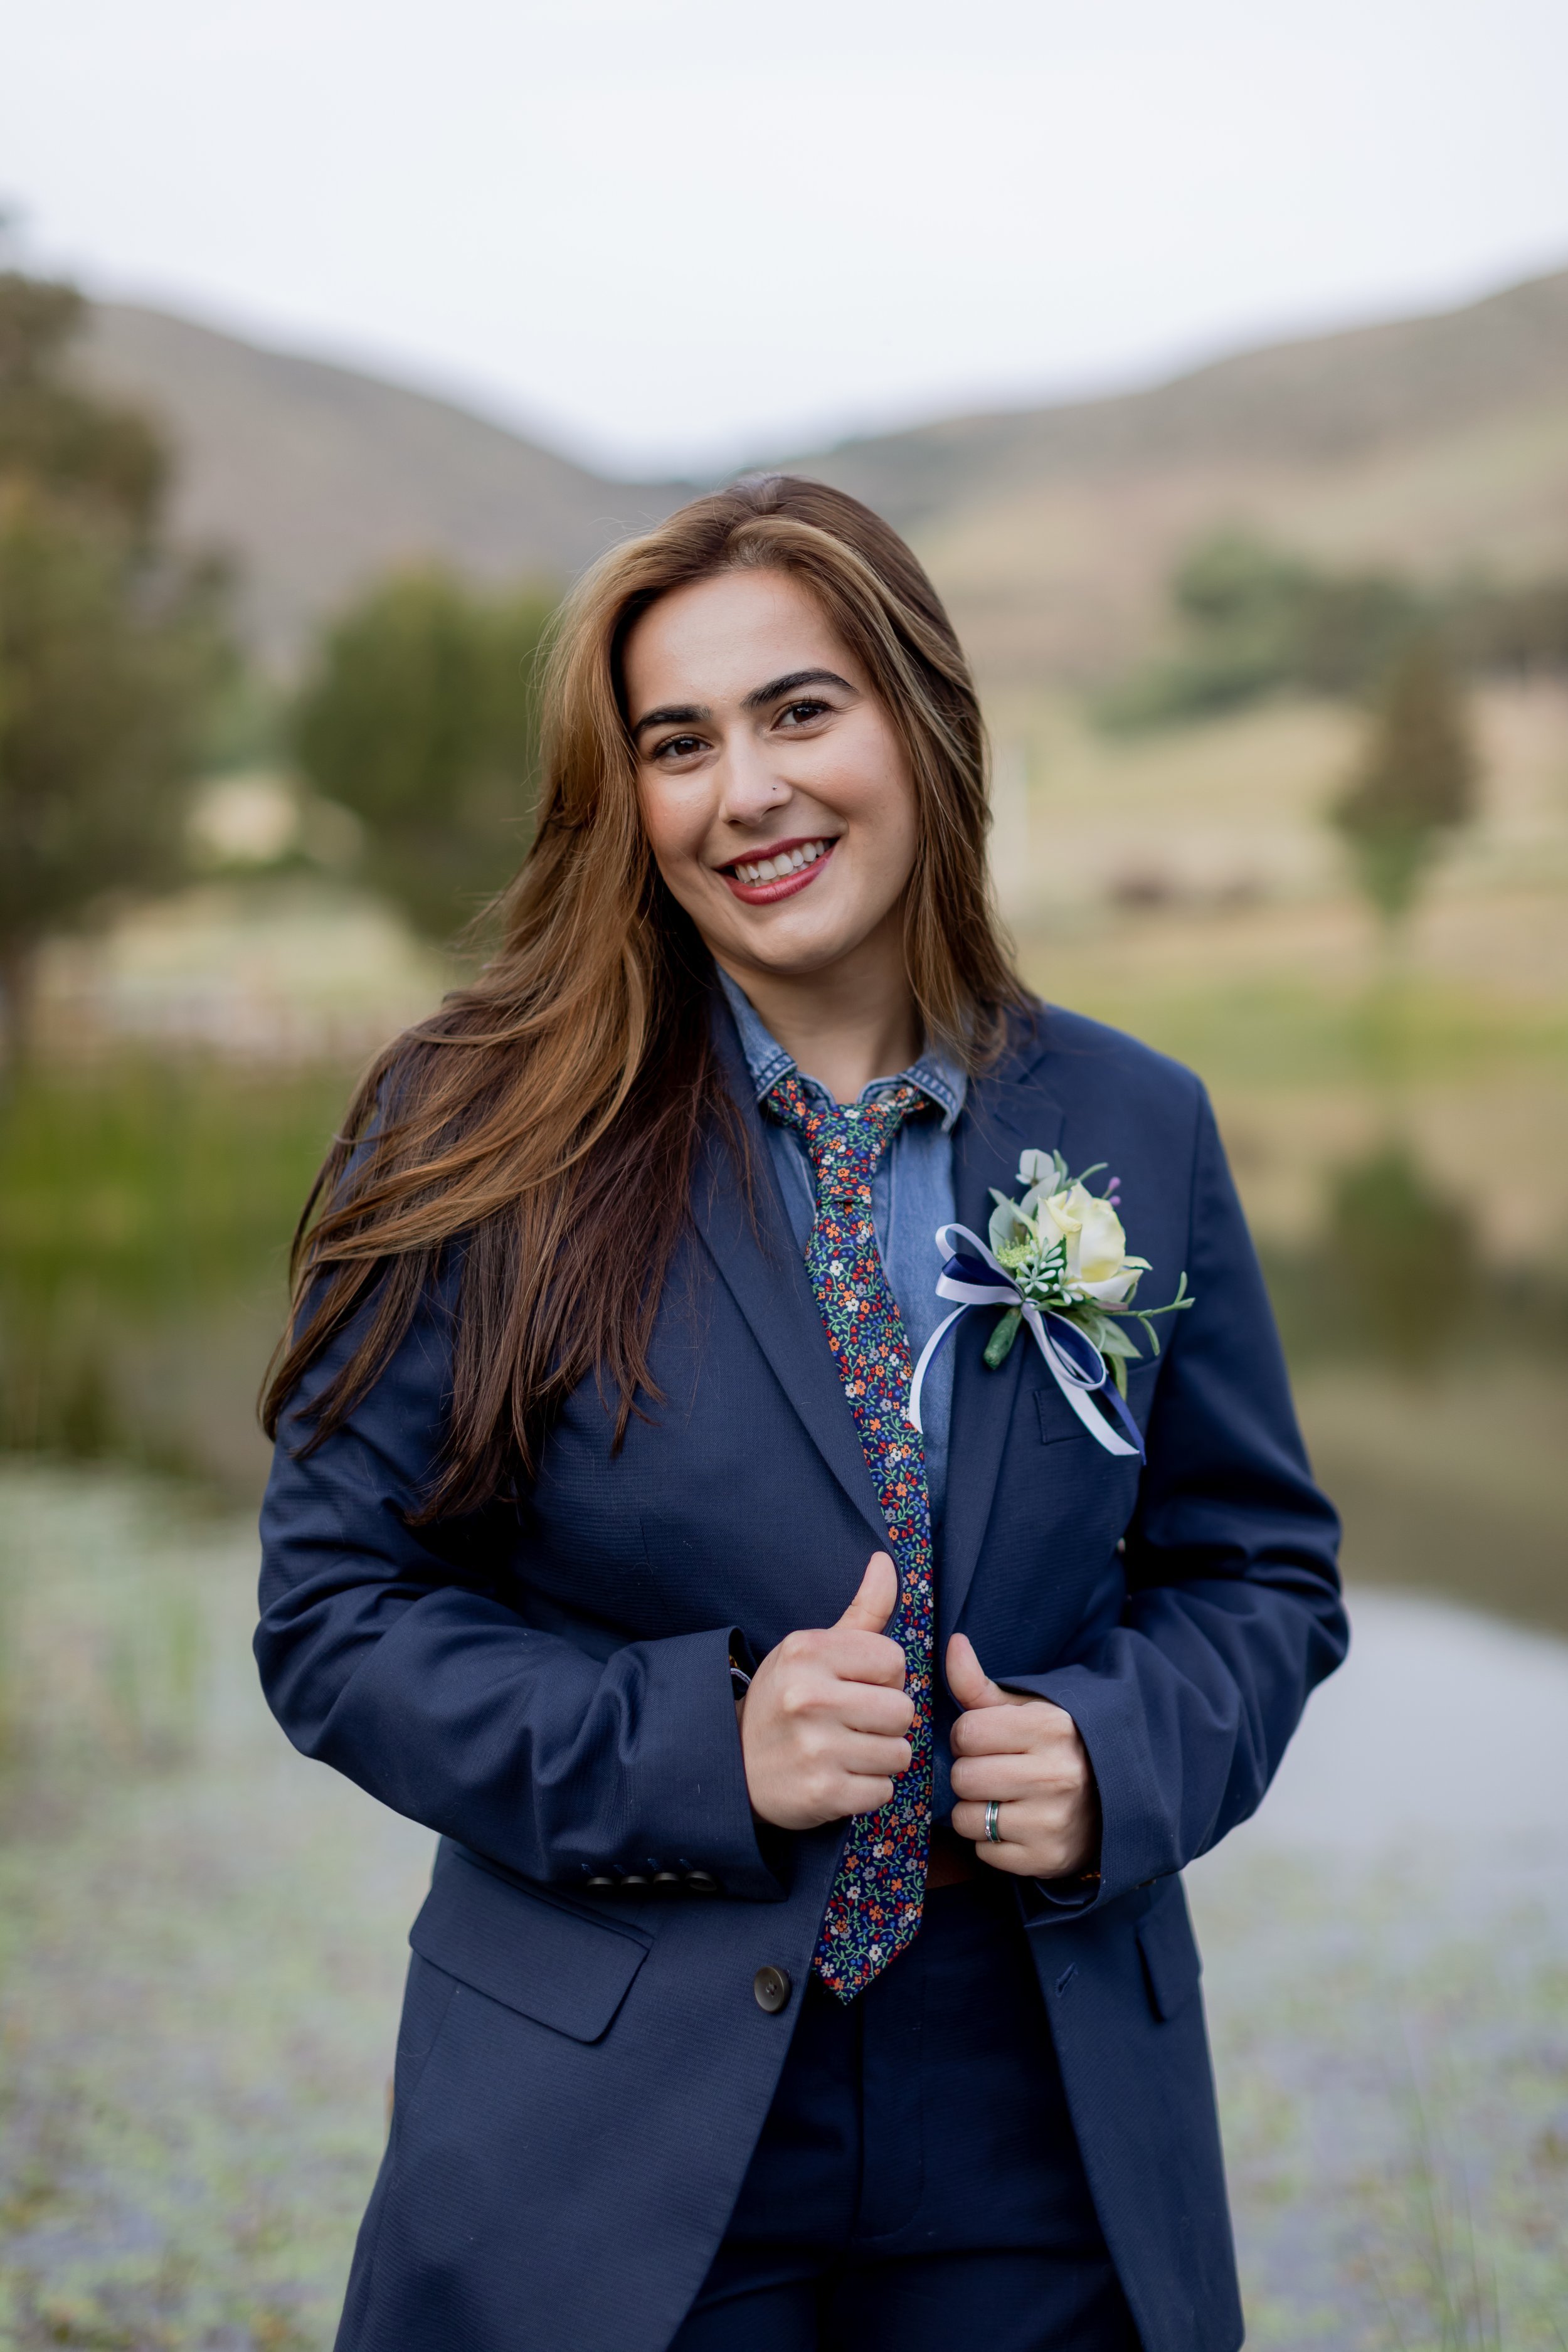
(668, 231)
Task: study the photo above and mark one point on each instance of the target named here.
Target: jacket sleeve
(395, 1654)
(1233, 1611)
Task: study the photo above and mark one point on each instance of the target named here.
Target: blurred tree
(421, 716)
(1416, 780)
(1404, 1258)
(1256, 619)
(110, 646)
(98, 452)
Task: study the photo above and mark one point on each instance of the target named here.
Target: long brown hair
(578, 1073)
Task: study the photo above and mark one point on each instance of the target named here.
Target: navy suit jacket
(583, 2069)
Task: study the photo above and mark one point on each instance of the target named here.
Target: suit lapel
(1000, 1115)
(765, 1275)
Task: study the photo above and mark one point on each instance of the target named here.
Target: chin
(796, 958)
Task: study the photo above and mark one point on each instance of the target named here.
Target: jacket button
(771, 1989)
(597, 1883)
(701, 1882)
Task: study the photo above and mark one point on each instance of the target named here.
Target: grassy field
(1229, 812)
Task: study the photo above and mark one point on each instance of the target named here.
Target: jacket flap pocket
(529, 1954)
(1059, 1424)
(1171, 1963)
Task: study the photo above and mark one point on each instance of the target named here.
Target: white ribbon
(1076, 1363)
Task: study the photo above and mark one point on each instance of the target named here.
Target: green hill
(316, 476)
(1438, 443)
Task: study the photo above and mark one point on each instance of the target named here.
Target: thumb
(876, 1599)
(970, 1685)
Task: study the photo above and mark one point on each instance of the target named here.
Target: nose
(750, 788)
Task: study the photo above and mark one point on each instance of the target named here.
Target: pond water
(203, 1940)
(1386, 1962)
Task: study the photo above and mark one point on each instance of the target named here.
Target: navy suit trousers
(918, 2185)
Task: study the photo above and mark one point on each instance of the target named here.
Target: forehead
(716, 641)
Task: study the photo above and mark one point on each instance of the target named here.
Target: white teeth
(788, 861)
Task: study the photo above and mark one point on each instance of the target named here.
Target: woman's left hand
(1027, 1754)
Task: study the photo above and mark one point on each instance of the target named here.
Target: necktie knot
(844, 1141)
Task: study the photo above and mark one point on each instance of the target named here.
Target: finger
(864, 1796)
(857, 1657)
(1009, 1731)
(878, 1596)
(1011, 1778)
(970, 1685)
(886, 1713)
(968, 1822)
(1015, 1860)
(1040, 1844)
(875, 1758)
(1014, 1730)
(821, 1689)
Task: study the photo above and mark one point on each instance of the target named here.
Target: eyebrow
(673, 714)
(688, 714)
(791, 684)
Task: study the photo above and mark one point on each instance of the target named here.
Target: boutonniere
(1059, 1265)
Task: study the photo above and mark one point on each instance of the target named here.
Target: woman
(805, 1962)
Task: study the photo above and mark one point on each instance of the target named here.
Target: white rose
(1097, 1266)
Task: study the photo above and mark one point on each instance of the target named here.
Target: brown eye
(801, 714)
(681, 746)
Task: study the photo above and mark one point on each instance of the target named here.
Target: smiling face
(776, 791)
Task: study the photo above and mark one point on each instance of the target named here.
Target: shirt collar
(945, 1082)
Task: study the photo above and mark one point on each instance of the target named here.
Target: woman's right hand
(823, 1724)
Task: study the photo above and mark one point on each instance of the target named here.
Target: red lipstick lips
(816, 850)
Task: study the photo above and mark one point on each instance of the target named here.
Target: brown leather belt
(951, 1860)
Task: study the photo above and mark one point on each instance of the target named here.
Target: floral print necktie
(874, 1907)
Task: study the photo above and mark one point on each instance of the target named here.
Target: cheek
(672, 822)
(883, 802)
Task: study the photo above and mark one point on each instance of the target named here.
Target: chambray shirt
(911, 1195)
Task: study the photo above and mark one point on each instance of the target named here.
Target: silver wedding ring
(992, 1812)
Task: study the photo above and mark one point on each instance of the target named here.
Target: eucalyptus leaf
(1112, 1341)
